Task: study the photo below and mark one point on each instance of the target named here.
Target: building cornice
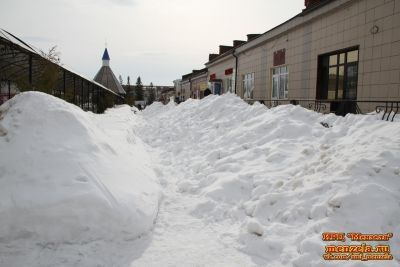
(224, 57)
(299, 20)
(199, 76)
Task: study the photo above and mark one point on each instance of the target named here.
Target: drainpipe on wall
(236, 69)
(190, 87)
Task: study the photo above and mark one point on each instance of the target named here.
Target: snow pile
(72, 183)
(158, 107)
(277, 178)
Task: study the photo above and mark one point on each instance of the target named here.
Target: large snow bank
(280, 176)
(70, 178)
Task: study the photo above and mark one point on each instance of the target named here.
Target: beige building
(192, 85)
(336, 51)
(186, 87)
(222, 69)
(199, 81)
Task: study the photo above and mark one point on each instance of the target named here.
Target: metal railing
(389, 109)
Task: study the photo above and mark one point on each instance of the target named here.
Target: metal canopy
(24, 68)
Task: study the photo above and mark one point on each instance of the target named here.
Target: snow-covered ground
(268, 183)
(240, 185)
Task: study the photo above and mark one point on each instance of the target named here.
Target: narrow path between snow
(180, 239)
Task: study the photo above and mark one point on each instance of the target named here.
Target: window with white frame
(280, 79)
(248, 85)
(228, 85)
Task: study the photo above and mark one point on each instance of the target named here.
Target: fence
(22, 68)
(388, 109)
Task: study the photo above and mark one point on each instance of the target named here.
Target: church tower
(106, 58)
(106, 77)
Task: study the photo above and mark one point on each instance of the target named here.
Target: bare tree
(53, 55)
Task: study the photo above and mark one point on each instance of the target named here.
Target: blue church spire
(105, 55)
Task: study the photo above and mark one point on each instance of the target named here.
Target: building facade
(178, 89)
(221, 74)
(186, 87)
(164, 93)
(335, 51)
(222, 68)
(199, 83)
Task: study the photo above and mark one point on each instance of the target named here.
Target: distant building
(186, 86)
(192, 85)
(178, 90)
(199, 83)
(106, 77)
(160, 93)
(221, 69)
(164, 93)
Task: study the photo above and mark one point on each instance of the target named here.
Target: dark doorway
(337, 79)
(207, 92)
(217, 88)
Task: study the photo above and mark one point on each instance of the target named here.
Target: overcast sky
(159, 40)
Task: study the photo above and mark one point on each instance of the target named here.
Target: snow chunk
(255, 227)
